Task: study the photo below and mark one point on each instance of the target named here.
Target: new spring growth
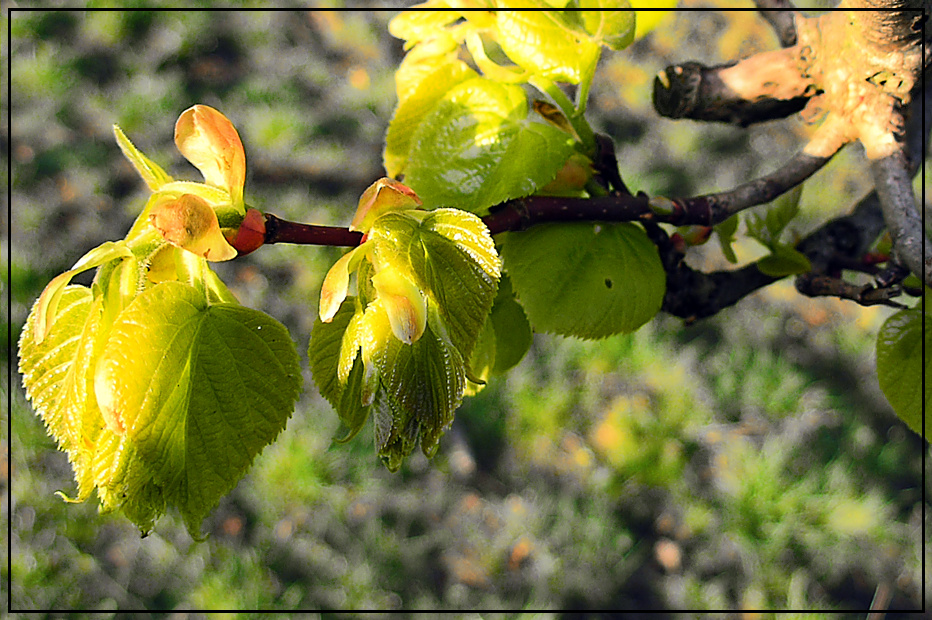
(396, 295)
(206, 218)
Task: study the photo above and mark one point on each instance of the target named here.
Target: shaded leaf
(900, 365)
(586, 280)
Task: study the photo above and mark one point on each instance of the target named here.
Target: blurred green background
(745, 462)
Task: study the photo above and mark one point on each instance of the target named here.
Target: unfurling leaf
(405, 304)
(190, 223)
(381, 197)
(208, 140)
(427, 281)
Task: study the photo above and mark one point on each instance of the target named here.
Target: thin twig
(715, 208)
(278, 230)
(817, 285)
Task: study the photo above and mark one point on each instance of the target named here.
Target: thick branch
(893, 186)
(781, 16)
(692, 90)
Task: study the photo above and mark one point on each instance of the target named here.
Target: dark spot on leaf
(608, 283)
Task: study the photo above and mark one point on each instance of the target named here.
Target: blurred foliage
(744, 462)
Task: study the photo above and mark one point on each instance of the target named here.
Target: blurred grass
(747, 461)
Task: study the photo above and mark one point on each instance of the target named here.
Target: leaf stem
(574, 115)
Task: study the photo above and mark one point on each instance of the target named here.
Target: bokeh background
(747, 461)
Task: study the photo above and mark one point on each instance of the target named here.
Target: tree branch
(720, 206)
(695, 91)
(278, 230)
(781, 15)
(893, 186)
(816, 285)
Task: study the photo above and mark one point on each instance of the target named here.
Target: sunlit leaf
(612, 24)
(404, 303)
(58, 377)
(381, 197)
(211, 385)
(545, 43)
(208, 140)
(651, 16)
(150, 172)
(477, 148)
(427, 81)
(336, 283)
(417, 25)
(46, 307)
(190, 223)
(450, 255)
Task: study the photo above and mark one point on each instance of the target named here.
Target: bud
(251, 233)
(572, 177)
(381, 197)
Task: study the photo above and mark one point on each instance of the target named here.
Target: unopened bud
(251, 233)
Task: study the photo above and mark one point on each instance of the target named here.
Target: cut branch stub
(692, 90)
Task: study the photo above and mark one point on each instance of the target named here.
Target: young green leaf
(784, 261)
(477, 148)
(726, 236)
(900, 365)
(57, 374)
(768, 228)
(612, 24)
(585, 280)
(424, 84)
(211, 385)
(546, 43)
(450, 255)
